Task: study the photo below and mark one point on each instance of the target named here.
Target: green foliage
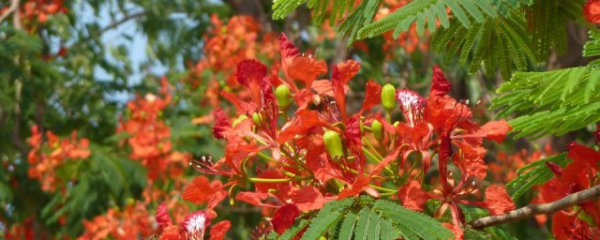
(428, 12)
(535, 173)
(592, 48)
(502, 43)
(283, 8)
(366, 219)
(553, 102)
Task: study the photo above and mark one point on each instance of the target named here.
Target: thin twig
(14, 4)
(121, 21)
(536, 209)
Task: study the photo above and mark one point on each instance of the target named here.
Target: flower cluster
(47, 155)
(32, 12)
(592, 11)
(225, 46)
(150, 136)
(130, 223)
(576, 222)
(291, 145)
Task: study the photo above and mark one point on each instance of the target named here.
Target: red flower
(162, 216)
(218, 231)
(284, 217)
(308, 198)
(497, 200)
(412, 196)
(569, 227)
(439, 84)
(495, 130)
(172, 232)
(221, 123)
(592, 11)
(299, 67)
(200, 191)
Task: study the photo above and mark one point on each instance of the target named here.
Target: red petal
(439, 84)
(305, 69)
(308, 198)
(495, 130)
(222, 123)
(412, 196)
(162, 216)
(372, 96)
(347, 70)
(218, 231)
(250, 72)
(497, 200)
(355, 188)
(570, 227)
(592, 11)
(584, 154)
(251, 198)
(287, 48)
(285, 217)
(200, 191)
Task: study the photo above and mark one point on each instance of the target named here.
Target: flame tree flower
(295, 157)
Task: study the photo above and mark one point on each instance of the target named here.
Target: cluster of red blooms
(37, 11)
(150, 136)
(225, 46)
(592, 11)
(48, 154)
(293, 163)
(581, 221)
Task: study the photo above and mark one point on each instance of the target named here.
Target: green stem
(270, 180)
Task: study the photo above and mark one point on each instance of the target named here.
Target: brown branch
(121, 21)
(536, 209)
(14, 5)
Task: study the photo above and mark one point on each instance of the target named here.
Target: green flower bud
(257, 118)
(377, 129)
(388, 97)
(239, 120)
(284, 99)
(333, 144)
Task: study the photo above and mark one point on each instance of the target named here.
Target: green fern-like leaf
(535, 173)
(592, 48)
(283, 8)
(501, 42)
(294, 230)
(554, 102)
(547, 24)
(365, 224)
(346, 231)
(412, 225)
(427, 12)
(331, 213)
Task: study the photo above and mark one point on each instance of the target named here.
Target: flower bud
(377, 129)
(239, 120)
(388, 97)
(257, 118)
(333, 144)
(283, 96)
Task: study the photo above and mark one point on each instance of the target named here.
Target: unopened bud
(333, 144)
(283, 96)
(377, 129)
(388, 97)
(257, 118)
(239, 120)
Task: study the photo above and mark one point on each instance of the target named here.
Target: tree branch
(536, 209)
(14, 5)
(121, 21)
